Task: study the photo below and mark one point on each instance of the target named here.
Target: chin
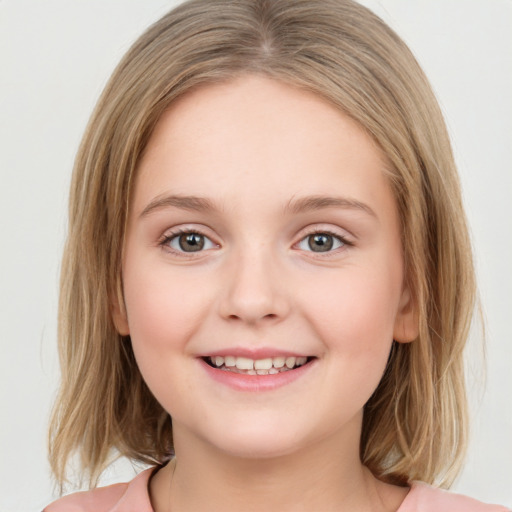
(265, 440)
(259, 450)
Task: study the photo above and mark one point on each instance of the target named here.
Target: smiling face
(262, 228)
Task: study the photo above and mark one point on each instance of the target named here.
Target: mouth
(247, 366)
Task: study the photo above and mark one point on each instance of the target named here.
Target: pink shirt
(134, 497)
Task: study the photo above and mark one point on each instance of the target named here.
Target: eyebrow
(192, 203)
(319, 202)
(294, 206)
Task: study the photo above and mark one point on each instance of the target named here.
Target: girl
(267, 284)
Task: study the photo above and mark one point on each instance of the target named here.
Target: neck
(206, 479)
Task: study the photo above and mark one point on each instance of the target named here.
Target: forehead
(254, 135)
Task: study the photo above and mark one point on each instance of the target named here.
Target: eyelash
(344, 242)
(168, 238)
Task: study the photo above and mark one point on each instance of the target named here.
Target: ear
(406, 327)
(119, 316)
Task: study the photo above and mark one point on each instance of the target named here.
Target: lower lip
(256, 383)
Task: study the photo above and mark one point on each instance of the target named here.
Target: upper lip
(254, 353)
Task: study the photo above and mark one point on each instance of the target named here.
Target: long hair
(414, 425)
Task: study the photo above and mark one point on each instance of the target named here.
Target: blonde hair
(414, 425)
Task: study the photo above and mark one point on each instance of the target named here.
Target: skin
(252, 146)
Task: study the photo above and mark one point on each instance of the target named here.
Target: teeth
(267, 366)
(244, 363)
(230, 361)
(278, 362)
(263, 364)
(290, 362)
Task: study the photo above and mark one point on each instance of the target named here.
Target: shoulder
(424, 498)
(125, 497)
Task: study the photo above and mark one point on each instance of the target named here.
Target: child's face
(293, 249)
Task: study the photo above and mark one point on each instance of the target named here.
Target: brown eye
(321, 242)
(188, 242)
(191, 242)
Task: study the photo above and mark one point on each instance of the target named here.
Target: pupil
(191, 242)
(320, 242)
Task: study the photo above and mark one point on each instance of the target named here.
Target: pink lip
(254, 353)
(255, 383)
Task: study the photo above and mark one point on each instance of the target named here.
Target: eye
(188, 241)
(321, 242)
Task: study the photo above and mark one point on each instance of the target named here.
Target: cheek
(163, 315)
(356, 315)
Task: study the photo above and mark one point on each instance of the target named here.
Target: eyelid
(328, 229)
(172, 233)
(318, 229)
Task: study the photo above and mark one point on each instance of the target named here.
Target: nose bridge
(253, 289)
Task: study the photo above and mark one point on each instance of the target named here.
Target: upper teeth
(244, 363)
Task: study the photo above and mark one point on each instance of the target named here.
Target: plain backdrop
(55, 57)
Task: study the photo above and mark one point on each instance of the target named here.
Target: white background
(55, 57)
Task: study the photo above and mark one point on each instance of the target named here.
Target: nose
(254, 291)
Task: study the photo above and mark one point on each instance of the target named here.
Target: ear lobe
(406, 322)
(120, 317)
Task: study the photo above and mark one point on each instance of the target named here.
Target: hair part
(414, 425)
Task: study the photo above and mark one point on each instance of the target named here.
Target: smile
(257, 370)
(247, 366)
